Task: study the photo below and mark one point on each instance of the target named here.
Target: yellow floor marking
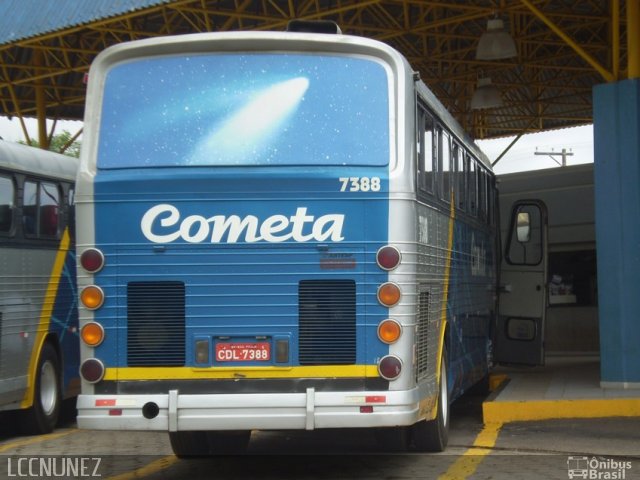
(467, 464)
(37, 439)
(496, 380)
(149, 469)
(503, 412)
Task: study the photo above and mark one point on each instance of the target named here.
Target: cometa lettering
(164, 224)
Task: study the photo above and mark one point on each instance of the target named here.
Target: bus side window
(425, 151)
(472, 181)
(492, 201)
(460, 176)
(71, 208)
(444, 163)
(40, 208)
(482, 194)
(49, 209)
(7, 205)
(429, 156)
(30, 208)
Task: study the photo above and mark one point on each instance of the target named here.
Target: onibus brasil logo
(597, 468)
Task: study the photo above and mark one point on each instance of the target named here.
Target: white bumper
(274, 411)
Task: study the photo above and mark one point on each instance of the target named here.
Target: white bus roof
(18, 157)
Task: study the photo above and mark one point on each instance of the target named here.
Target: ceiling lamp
(495, 43)
(486, 95)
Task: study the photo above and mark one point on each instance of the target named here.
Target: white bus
(39, 346)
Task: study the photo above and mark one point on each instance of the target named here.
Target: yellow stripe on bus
(45, 315)
(445, 297)
(190, 373)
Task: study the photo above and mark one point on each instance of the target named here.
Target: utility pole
(564, 154)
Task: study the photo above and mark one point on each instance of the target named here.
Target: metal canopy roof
(564, 48)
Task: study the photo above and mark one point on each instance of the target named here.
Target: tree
(58, 142)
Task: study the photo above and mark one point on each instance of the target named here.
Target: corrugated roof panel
(21, 19)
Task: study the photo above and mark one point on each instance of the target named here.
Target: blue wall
(617, 187)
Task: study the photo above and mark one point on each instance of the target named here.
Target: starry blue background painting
(245, 109)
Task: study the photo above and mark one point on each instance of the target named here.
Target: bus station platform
(565, 387)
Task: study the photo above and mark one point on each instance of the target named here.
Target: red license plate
(243, 352)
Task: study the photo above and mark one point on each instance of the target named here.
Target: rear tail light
(389, 331)
(92, 370)
(202, 351)
(92, 297)
(389, 294)
(92, 334)
(390, 367)
(388, 257)
(92, 260)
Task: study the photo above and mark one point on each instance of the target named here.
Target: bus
(282, 230)
(39, 339)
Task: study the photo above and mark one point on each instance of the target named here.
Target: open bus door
(523, 286)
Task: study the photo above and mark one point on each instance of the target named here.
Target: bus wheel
(47, 396)
(229, 443)
(189, 444)
(433, 435)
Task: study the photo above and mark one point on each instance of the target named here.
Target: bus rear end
(237, 274)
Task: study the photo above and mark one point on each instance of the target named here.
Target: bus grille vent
(156, 324)
(422, 336)
(327, 315)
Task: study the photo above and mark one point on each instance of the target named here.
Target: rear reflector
(389, 294)
(92, 370)
(92, 260)
(92, 334)
(390, 367)
(388, 257)
(92, 297)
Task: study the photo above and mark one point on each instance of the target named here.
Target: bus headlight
(390, 367)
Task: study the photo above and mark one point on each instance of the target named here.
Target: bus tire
(433, 435)
(229, 442)
(43, 415)
(189, 444)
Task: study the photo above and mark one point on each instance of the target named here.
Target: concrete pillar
(616, 113)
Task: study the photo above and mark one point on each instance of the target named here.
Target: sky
(577, 141)
(521, 157)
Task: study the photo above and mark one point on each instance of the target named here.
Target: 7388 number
(359, 184)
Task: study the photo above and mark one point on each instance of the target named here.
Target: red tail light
(390, 367)
(92, 260)
(388, 257)
(92, 370)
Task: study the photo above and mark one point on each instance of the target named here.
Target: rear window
(245, 109)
